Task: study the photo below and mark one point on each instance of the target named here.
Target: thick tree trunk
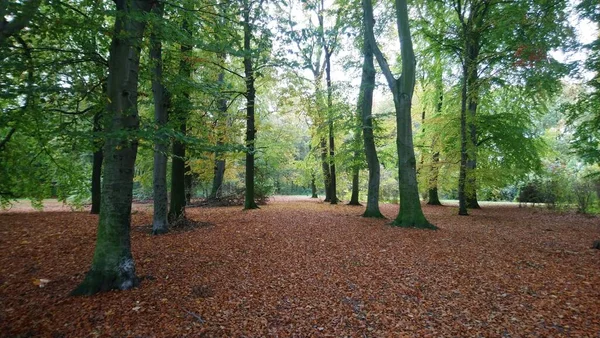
(365, 105)
(249, 202)
(411, 214)
(97, 166)
(181, 113)
(112, 265)
(160, 223)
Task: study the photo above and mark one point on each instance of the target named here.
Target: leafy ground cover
(305, 268)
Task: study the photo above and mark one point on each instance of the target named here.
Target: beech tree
(488, 52)
(365, 106)
(161, 105)
(411, 214)
(113, 265)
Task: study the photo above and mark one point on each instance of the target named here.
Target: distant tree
(515, 51)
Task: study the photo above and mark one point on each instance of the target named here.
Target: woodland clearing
(300, 267)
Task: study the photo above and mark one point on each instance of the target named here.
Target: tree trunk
(434, 198)
(219, 175)
(462, 176)
(432, 194)
(249, 202)
(326, 172)
(365, 105)
(97, 166)
(112, 265)
(313, 186)
(354, 197)
(177, 205)
(160, 223)
(333, 177)
(188, 181)
(472, 102)
(219, 169)
(411, 214)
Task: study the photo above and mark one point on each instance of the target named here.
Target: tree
(249, 202)
(160, 223)
(113, 266)
(411, 214)
(585, 113)
(53, 79)
(180, 116)
(365, 106)
(489, 53)
(316, 44)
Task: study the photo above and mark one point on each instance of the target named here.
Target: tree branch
(7, 138)
(8, 29)
(383, 64)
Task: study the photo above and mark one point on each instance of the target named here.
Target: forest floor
(300, 267)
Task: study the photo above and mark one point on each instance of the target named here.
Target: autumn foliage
(306, 268)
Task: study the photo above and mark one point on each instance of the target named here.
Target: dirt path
(301, 267)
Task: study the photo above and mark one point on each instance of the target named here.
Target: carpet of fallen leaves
(305, 268)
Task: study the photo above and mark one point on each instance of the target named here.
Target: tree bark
(178, 168)
(411, 214)
(472, 103)
(112, 265)
(160, 224)
(97, 166)
(249, 202)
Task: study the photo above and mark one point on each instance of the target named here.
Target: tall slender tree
(365, 105)
(180, 116)
(249, 202)
(160, 223)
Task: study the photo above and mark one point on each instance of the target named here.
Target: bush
(584, 194)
